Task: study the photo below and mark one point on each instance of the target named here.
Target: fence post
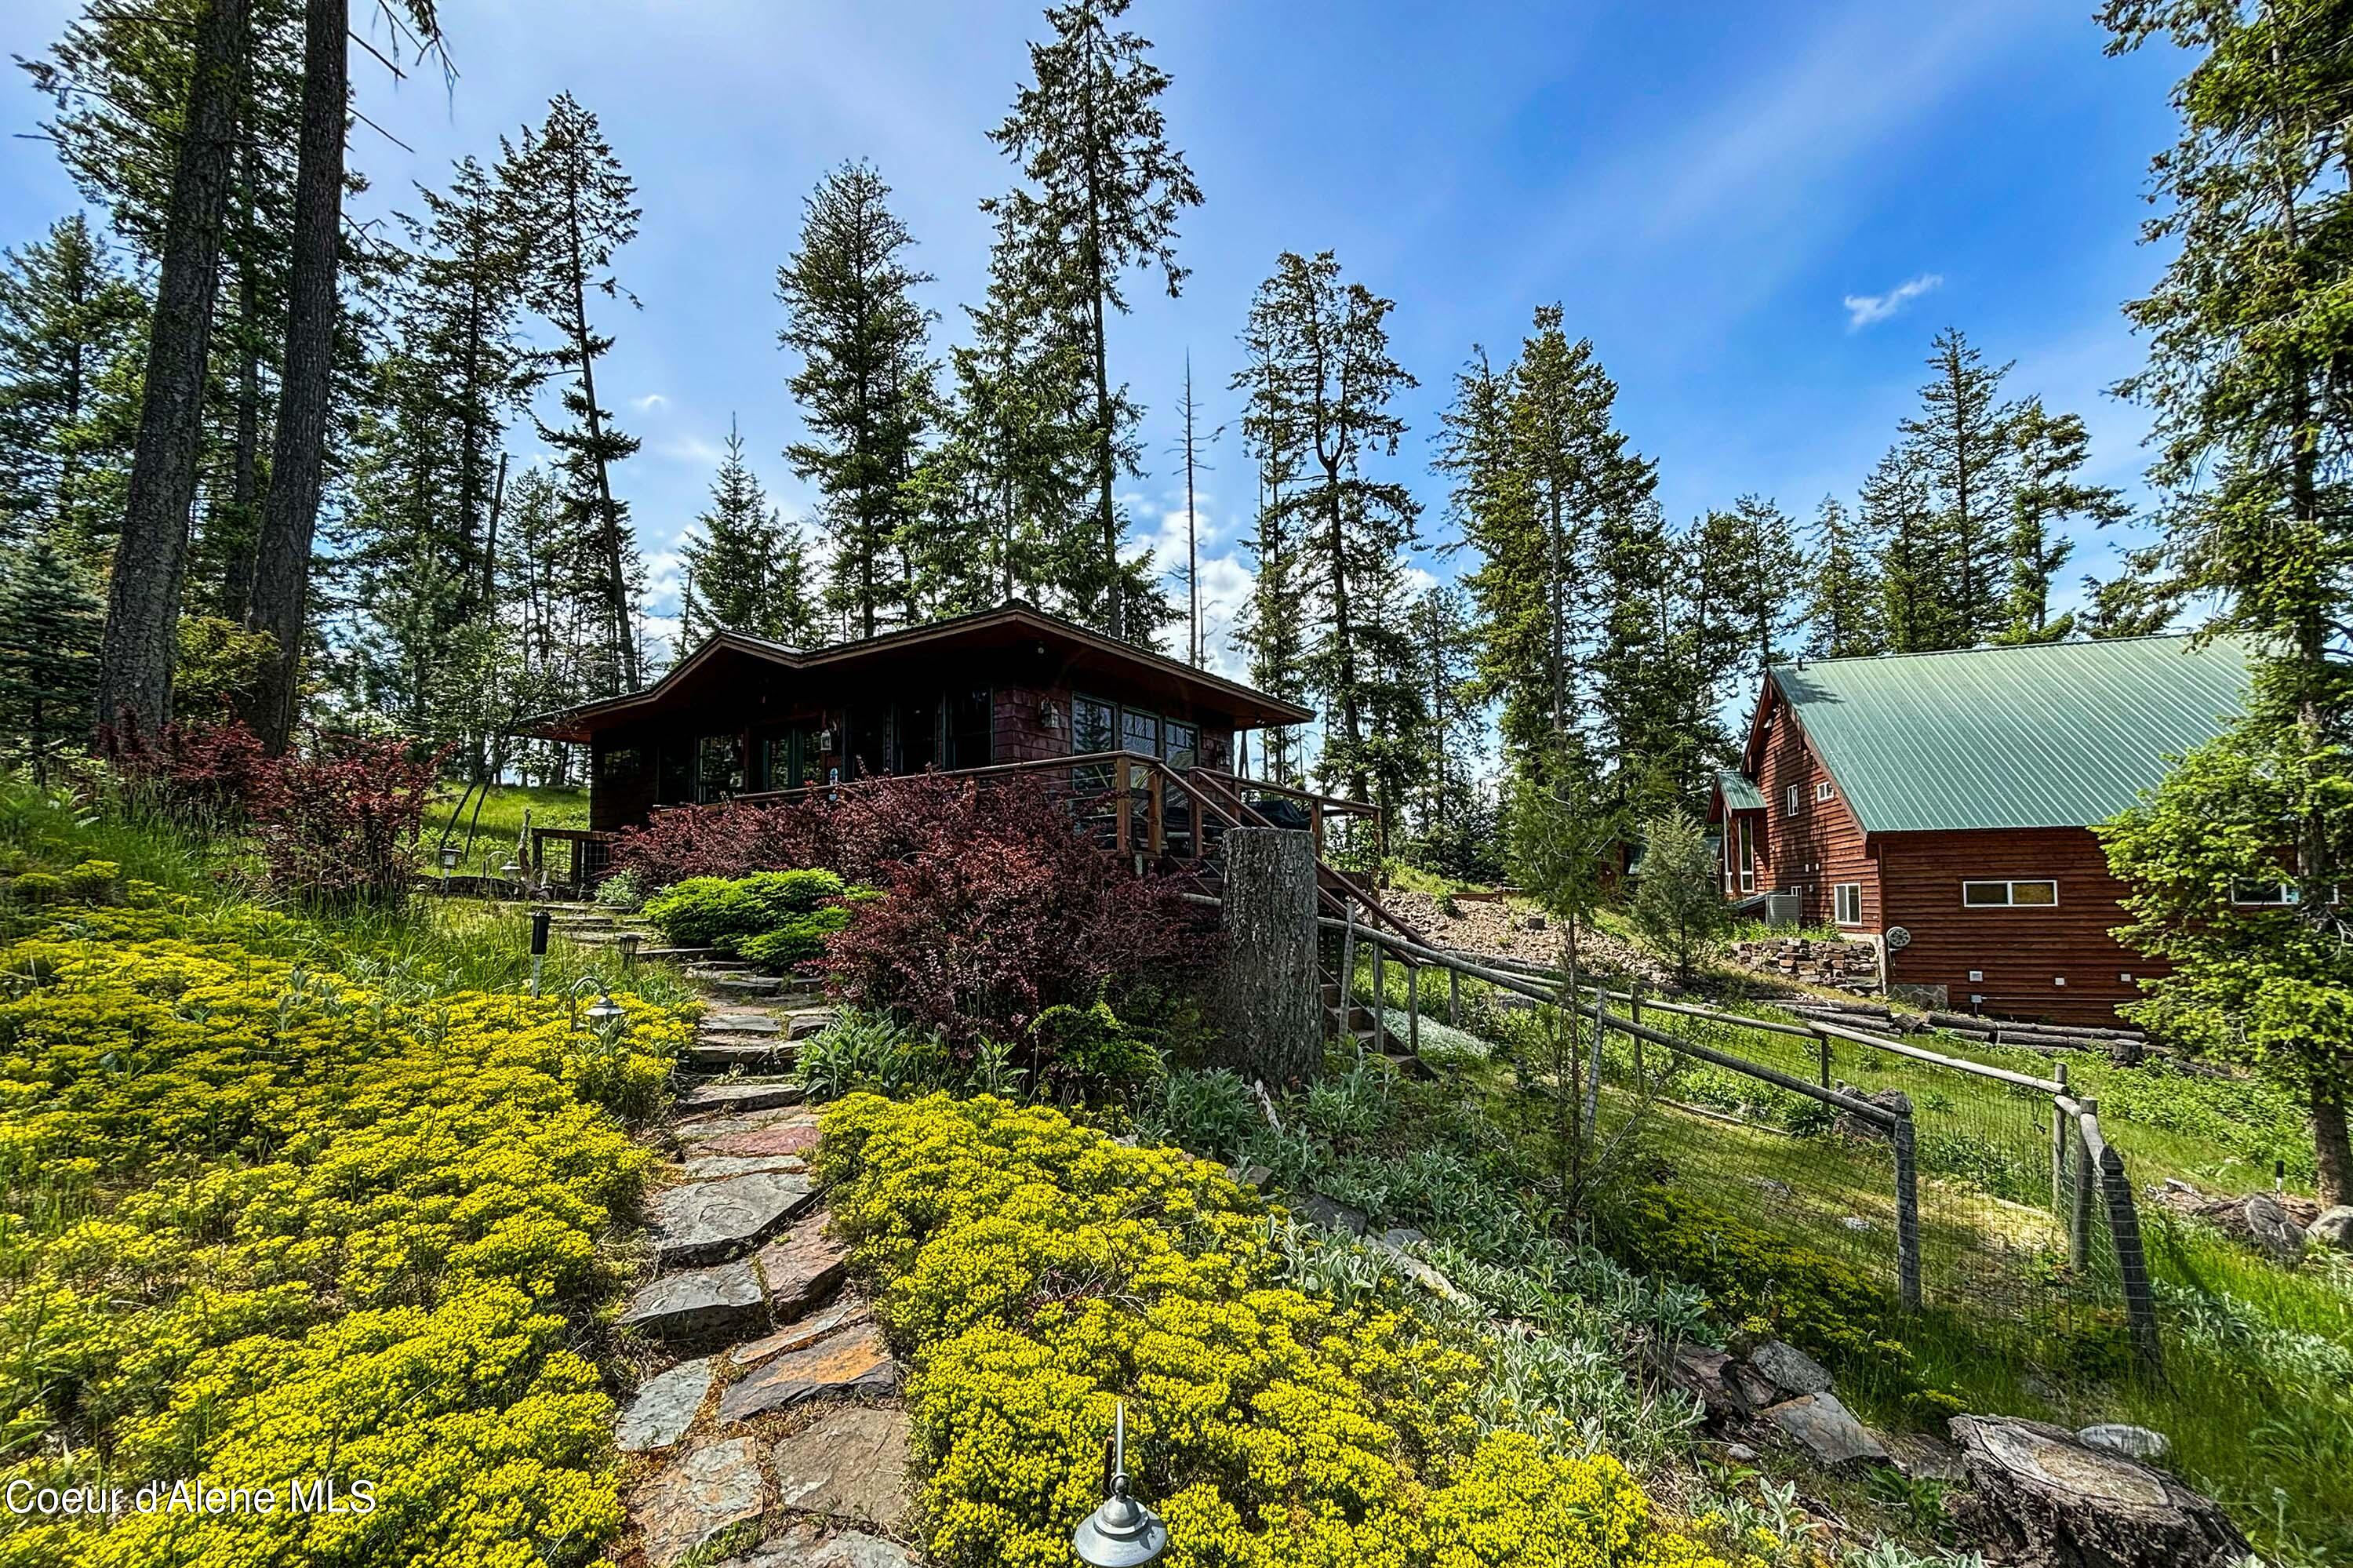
(1907, 1214)
(2132, 1266)
(2059, 1145)
(1824, 1042)
(1454, 998)
(2079, 1221)
(1593, 1071)
(1380, 998)
(1348, 973)
(1635, 1012)
(1121, 807)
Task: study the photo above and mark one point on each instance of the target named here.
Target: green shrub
(1087, 1054)
(731, 913)
(37, 887)
(621, 891)
(1036, 1271)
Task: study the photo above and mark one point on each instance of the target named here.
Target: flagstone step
(716, 1222)
(746, 1052)
(739, 1095)
(682, 955)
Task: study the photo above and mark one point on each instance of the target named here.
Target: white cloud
(650, 402)
(688, 449)
(1869, 310)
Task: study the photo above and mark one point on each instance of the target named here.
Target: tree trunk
(2332, 1152)
(2060, 1502)
(245, 464)
(290, 512)
(142, 609)
(1267, 997)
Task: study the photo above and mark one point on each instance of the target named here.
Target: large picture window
(718, 767)
(2008, 895)
(971, 722)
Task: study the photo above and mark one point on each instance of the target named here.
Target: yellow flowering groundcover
(1035, 1270)
(263, 1225)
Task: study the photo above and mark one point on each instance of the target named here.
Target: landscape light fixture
(1123, 1534)
(604, 1013)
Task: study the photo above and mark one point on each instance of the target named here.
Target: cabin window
(1139, 732)
(718, 767)
(1793, 800)
(2008, 895)
(1848, 898)
(619, 766)
(971, 724)
(870, 741)
(674, 774)
(1748, 837)
(2263, 894)
(1181, 746)
(917, 723)
(1092, 726)
(1825, 791)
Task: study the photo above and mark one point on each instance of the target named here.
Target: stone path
(770, 1433)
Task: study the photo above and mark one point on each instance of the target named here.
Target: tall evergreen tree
(865, 388)
(143, 614)
(1844, 606)
(1962, 446)
(68, 320)
(1443, 649)
(1105, 188)
(570, 193)
(1188, 448)
(1270, 631)
(1917, 616)
(1770, 595)
(1492, 504)
(50, 621)
(745, 570)
(2050, 450)
(2253, 429)
(1654, 697)
(1326, 393)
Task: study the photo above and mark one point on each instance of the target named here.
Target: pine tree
(1962, 445)
(1325, 392)
(1652, 703)
(743, 570)
(571, 196)
(1105, 188)
(51, 620)
(1844, 606)
(2050, 450)
(1188, 448)
(1771, 581)
(1446, 812)
(1492, 506)
(1917, 616)
(1270, 630)
(2253, 426)
(68, 320)
(864, 388)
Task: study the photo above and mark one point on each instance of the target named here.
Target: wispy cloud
(650, 402)
(1869, 310)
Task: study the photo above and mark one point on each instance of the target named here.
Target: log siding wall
(1820, 846)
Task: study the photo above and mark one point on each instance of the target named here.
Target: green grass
(502, 808)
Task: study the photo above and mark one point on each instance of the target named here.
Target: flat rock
(764, 1142)
(1826, 1430)
(699, 1302)
(733, 1053)
(2335, 1226)
(802, 1269)
(812, 1021)
(664, 1407)
(738, 1021)
(2138, 1443)
(2273, 1228)
(712, 1167)
(709, 1490)
(807, 1331)
(714, 1221)
(855, 1360)
(1330, 1213)
(1789, 1369)
(712, 1123)
(751, 1095)
(1403, 1235)
(808, 1545)
(851, 1464)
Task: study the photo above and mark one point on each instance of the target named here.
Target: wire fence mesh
(1996, 1164)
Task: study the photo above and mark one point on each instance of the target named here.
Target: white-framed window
(1825, 790)
(1847, 899)
(2258, 894)
(1793, 800)
(2008, 895)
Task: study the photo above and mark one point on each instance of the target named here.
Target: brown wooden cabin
(1940, 806)
(1011, 690)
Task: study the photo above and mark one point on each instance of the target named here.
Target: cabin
(1006, 690)
(1940, 806)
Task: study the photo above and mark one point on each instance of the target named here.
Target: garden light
(1123, 1534)
(604, 1013)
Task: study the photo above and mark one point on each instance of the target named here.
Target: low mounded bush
(1037, 1271)
(775, 918)
(261, 1223)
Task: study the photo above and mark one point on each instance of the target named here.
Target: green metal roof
(1740, 791)
(2052, 734)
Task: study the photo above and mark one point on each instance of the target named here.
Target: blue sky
(1730, 200)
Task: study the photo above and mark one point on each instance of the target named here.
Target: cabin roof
(1015, 621)
(2036, 735)
(1739, 791)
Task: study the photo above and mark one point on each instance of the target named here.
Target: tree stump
(1267, 1003)
(2058, 1501)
